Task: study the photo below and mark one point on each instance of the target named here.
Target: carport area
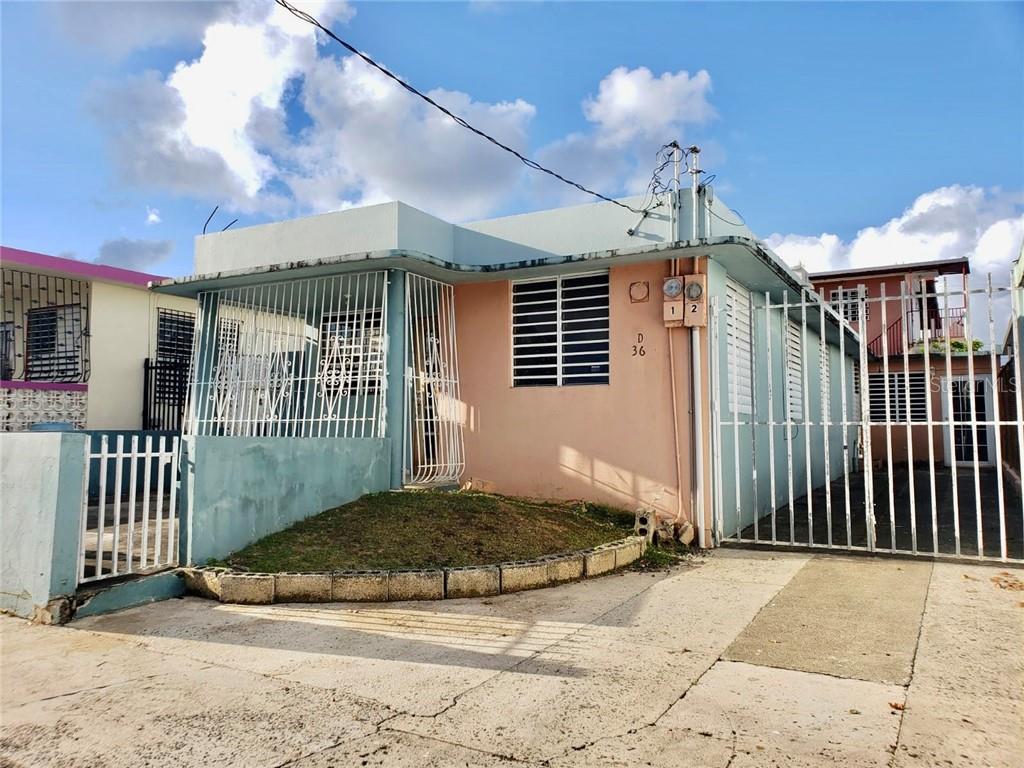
(952, 530)
(738, 658)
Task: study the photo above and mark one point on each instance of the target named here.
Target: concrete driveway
(737, 659)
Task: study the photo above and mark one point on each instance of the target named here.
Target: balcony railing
(936, 324)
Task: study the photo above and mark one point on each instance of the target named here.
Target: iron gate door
(432, 443)
(869, 421)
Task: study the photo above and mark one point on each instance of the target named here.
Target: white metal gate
(129, 521)
(432, 441)
(866, 421)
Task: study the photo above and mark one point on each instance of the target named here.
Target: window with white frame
(352, 351)
(794, 370)
(846, 302)
(560, 331)
(739, 350)
(897, 393)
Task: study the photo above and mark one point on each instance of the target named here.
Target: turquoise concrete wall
(41, 479)
(395, 372)
(751, 497)
(127, 594)
(239, 489)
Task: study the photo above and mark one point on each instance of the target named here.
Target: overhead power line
(461, 121)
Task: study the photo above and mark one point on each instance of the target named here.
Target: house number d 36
(638, 348)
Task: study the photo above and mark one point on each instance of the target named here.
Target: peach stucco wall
(610, 443)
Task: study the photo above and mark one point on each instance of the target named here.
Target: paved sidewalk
(739, 659)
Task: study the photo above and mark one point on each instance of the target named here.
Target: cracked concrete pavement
(738, 658)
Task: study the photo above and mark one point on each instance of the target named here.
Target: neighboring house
(910, 316)
(89, 345)
(533, 354)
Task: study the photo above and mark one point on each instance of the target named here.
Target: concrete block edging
(229, 586)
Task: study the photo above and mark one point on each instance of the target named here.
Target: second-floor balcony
(909, 331)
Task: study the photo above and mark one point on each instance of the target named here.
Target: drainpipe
(697, 425)
(674, 236)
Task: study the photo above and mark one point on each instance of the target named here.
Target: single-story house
(89, 345)
(582, 352)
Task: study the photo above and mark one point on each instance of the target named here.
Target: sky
(845, 134)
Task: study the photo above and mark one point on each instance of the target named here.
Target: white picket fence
(130, 519)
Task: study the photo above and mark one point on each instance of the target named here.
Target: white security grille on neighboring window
(795, 370)
(897, 397)
(560, 331)
(739, 352)
(846, 301)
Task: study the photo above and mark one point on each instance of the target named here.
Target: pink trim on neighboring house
(44, 385)
(82, 269)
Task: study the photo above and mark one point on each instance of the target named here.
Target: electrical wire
(533, 164)
(741, 223)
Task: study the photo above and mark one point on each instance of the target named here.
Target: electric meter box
(695, 297)
(685, 301)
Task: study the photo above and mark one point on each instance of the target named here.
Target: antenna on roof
(210, 217)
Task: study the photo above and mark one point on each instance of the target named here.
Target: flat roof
(956, 266)
(429, 265)
(82, 270)
(746, 258)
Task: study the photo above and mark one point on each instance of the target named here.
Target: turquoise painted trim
(395, 372)
(420, 262)
(41, 484)
(68, 517)
(127, 594)
(246, 488)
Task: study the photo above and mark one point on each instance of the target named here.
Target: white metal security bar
(129, 521)
(301, 358)
(560, 330)
(432, 440)
(886, 438)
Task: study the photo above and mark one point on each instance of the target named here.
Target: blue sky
(831, 127)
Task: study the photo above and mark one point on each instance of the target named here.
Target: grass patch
(432, 529)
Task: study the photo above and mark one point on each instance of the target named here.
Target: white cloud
(986, 226)
(134, 254)
(152, 215)
(632, 116)
(633, 104)
(115, 28)
(370, 141)
(217, 128)
(950, 222)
